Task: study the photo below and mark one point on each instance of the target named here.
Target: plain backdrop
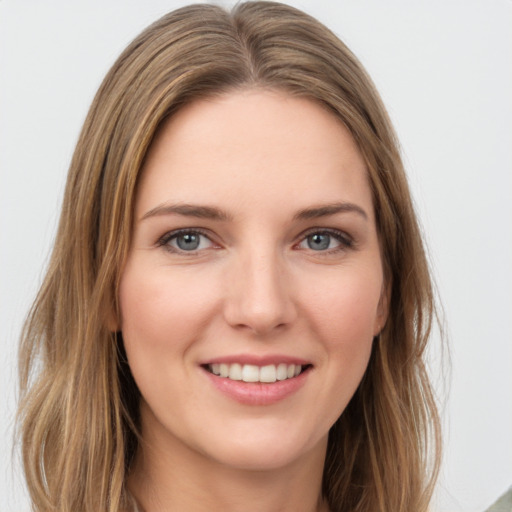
(444, 69)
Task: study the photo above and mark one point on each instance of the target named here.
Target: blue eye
(188, 241)
(326, 241)
(185, 241)
(319, 241)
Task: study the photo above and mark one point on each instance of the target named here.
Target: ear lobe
(111, 320)
(382, 309)
(111, 323)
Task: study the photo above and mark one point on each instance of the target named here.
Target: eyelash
(346, 241)
(172, 235)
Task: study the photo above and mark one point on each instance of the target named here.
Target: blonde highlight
(78, 418)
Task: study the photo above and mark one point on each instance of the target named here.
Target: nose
(259, 297)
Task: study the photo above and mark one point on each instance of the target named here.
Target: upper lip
(257, 360)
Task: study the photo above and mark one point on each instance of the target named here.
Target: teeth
(282, 372)
(253, 373)
(250, 373)
(268, 373)
(224, 370)
(235, 372)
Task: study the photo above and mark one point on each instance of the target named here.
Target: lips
(257, 380)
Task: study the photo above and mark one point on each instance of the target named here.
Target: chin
(257, 452)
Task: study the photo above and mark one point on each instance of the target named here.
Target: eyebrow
(188, 210)
(329, 209)
(213, 213)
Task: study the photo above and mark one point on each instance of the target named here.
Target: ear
(111, 320)
(382, 309)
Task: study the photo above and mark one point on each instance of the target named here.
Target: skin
(254, 286)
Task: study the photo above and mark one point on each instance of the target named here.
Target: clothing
(504, 504)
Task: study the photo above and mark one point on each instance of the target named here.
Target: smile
(253, 373)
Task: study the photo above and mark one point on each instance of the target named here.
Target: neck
(173, 477)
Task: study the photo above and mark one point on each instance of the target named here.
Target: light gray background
(444, 69)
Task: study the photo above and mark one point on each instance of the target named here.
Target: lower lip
(258, 393)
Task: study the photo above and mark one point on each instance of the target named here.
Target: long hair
(78, 416)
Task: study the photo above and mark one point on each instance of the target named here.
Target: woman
(238, 301)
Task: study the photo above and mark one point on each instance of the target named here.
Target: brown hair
(79, 411)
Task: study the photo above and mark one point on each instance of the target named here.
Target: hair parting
(78, 417)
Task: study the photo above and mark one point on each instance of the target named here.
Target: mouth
(258, 380)
(251, 373)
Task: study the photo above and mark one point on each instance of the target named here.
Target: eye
(185, 241)
(325, 241)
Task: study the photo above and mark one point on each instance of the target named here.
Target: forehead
(251, 146)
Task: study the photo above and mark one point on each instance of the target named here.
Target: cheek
(162, 314)
(153, 294)
(344, 317)
(162, 311)
(346, 308)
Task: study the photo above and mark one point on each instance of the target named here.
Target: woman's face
(254, 283)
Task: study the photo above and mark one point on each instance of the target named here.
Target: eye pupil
(319, 241)
(188, 241)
